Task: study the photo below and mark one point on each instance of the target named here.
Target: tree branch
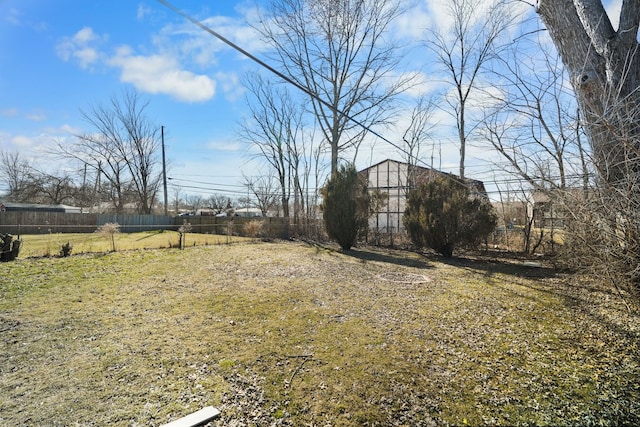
(629, 22)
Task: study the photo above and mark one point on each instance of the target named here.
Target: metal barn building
(396, 179)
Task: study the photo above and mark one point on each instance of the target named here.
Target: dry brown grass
(293, 334)
(47, 245)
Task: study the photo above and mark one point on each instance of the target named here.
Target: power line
(205, 182)
(315, 96)
(283, 76)
(273, 70)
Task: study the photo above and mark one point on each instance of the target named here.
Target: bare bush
(254, 228)
(603, 235)
(183, 230)
(110, 229)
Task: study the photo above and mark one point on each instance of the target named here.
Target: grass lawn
(37, 245)
(293, 334)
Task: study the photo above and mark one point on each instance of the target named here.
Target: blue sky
(58, 56)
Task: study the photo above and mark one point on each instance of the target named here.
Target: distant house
(34, 207)
(205, 212)
(397, 179)
(248, 212)
(549, 207)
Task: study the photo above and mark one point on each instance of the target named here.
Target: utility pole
(96, 187)
(84, 189)
(164, 173)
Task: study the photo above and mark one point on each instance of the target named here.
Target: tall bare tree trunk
(604, 65)
(464, 49)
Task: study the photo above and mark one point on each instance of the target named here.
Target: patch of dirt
(244, 403)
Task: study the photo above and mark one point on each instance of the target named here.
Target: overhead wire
(315, 96)
(274, 71)
(283, 76)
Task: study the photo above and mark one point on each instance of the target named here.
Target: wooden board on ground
(197, 418)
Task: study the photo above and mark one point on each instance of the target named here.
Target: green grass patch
(286, 333)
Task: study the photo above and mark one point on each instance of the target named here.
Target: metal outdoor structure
(396, 179)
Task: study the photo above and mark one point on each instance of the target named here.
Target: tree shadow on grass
(508, 266)
(395, 257)
(586, 299)
(602, 304)
(152, 234)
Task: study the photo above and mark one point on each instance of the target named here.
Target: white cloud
(225, 145)
(439, 12)
(14, 17)
(231, 85)
(70, 130)
(413, 23)
(86, 56)
(162, 74)
(422, 85)
(9, 112)
(159, 73)
(81, 47)
(164, 70)
(187, 40)
(142, 12)
(36, 117)
(22, 141)
(84, 36)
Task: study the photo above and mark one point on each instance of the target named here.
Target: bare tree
(311, 173)
(464, 50)
(414, 137)
(55, 189)
(274, 128)
(604, 69)
(219, 203)
(264, 191)
(140, 149)
(25, 183)
(123, 148)
(195, 202)
(15, 173)
(339, 50)
(177, 198)
(533, 125)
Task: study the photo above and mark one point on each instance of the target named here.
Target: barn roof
(473, 184)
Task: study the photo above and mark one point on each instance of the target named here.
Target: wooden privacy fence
(269, 227)
(24, 222)
(31, 222)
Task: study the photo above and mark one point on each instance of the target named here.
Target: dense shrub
(442, 215)
(345, 206)
(65, 250)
